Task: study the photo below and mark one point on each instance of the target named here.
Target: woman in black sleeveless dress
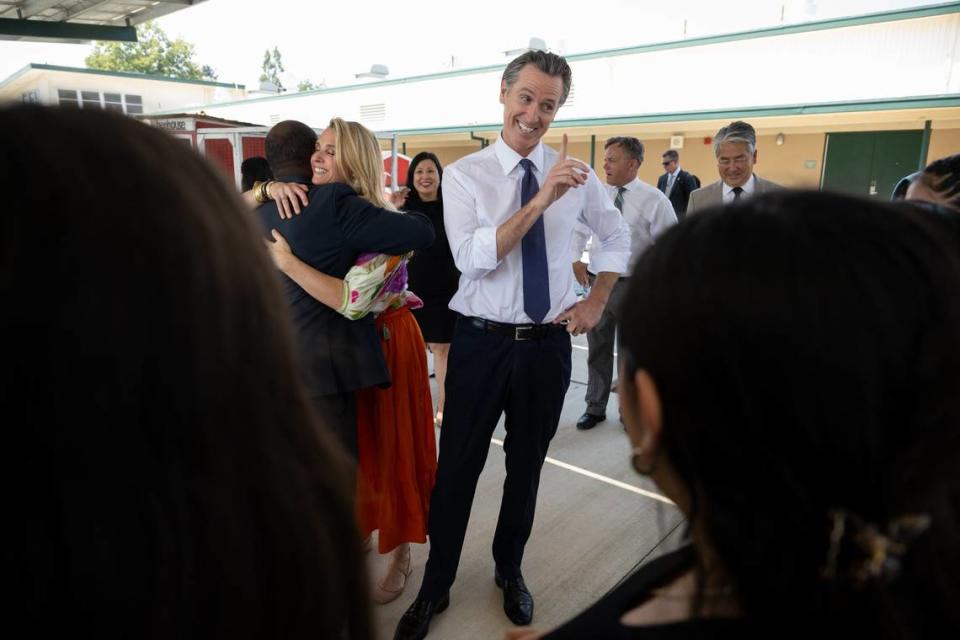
(432, 273)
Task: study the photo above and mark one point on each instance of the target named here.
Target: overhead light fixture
(780, 139)
(376, 71)
(535, 43)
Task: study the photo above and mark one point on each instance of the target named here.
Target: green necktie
(618, 201)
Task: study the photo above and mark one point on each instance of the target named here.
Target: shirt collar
(509, 159)
(748, 188)
(675, 172)
(630, 186)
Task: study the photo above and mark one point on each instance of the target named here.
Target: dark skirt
(436, 320)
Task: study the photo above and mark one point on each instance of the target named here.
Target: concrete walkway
(596, 521)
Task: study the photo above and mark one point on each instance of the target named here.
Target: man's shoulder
(649, 190)
(767, 185)
(714, 190)
(479, 157)
(713, 186)
(332, 190)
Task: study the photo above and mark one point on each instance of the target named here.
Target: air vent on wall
(373, 112)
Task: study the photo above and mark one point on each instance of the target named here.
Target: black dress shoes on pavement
(589, 421)
(416, 621)
(517, 601)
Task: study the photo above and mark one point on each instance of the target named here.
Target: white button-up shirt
(481, 192)
(646, 211)
(748, 188)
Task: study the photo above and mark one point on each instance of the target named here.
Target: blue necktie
(536, 282)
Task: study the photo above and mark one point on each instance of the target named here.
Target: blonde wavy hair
(360, 161)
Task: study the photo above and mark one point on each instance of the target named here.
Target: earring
(638, 465)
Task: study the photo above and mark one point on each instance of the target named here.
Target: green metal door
(869, 163)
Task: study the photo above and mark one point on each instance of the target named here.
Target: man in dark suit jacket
(338, 355)
(676, 183)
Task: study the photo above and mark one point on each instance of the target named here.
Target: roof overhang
(868, 115)
(79, 21)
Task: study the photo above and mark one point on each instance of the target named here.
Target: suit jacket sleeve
(692, 204)
(368, 228)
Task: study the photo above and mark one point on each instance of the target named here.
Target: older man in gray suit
(735, 146)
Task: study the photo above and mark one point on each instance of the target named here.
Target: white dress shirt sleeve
(602, 218)
(474, 247)
(664, 217)
(578, 243)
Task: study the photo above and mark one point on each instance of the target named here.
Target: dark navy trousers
(490, 374)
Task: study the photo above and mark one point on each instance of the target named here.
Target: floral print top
(376, 283)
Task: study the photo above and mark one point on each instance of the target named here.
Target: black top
(602, 620)
(432, 273)
(340, 355)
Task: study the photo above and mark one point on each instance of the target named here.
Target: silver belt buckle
(520, 333)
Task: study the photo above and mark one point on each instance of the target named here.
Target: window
(113, 102)
(134, 104)
(67, 98)
(91, 99)
(31, 97)
(95, 100)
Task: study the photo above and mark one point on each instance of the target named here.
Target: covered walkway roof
(80, 20)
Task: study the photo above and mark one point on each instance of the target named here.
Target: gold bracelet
(266, 190)
(257, 189)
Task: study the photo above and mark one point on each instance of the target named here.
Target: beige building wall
(797, 163)
(943, 142)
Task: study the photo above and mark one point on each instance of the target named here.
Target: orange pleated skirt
(396, 445)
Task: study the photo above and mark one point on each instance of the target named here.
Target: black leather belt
(516, 331)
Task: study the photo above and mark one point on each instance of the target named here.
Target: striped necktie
(618, 201)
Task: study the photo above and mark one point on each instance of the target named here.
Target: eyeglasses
(667, 163)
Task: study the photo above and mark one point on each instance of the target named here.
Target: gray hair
(671, 154)
(631, 145)
(549, 63)
(738, 131)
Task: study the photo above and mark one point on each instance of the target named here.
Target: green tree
(272, 68)
(307, 85)
(153, 53)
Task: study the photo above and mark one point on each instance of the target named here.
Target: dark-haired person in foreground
(938, 183)
(796, 391)
(509, 212)
(164, 474)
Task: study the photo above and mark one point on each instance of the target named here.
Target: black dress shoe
(517, 601)
(416, 621)
(589, 421)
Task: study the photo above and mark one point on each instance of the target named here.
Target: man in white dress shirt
(510, 212)
(648, 213)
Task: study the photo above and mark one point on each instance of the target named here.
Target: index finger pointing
(563, 148)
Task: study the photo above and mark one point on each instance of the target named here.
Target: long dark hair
(806, 349)
(414, 195)
(164, 476)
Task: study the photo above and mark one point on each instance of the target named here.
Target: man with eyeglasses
(735, 146)
(675, 183)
